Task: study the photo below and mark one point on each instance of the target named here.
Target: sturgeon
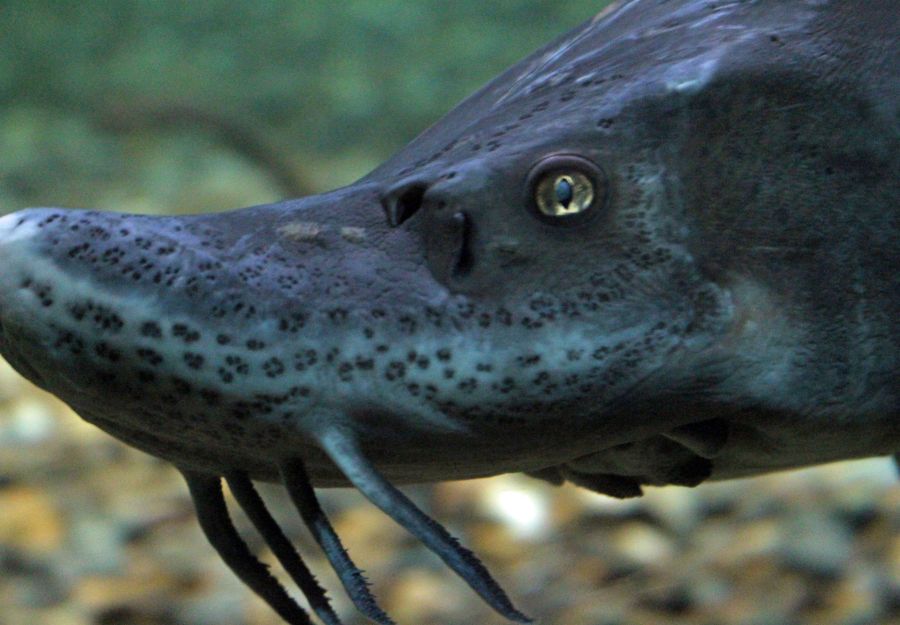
(661, 250)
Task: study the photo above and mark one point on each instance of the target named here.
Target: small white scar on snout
(301, 230)
(353, 234)
(505, 246)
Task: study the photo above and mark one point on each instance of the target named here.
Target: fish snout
(53, 324)
(18, 294)
(156, 327)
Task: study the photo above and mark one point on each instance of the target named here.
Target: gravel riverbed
(94, 533)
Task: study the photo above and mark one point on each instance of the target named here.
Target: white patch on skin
(301, 230)
(353, 235)
(765, 339)
(507, 246)
(690, 76)
(10, 232)
(14, 251)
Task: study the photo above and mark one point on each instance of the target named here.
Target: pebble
(816, 543)
(30, 521)
(28, 422)
(642, 545)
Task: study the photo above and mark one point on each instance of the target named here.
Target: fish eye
(563, 187)
(562, 194)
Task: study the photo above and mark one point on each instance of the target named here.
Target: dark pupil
(564, 192)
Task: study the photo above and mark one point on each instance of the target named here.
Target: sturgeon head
(659, 250)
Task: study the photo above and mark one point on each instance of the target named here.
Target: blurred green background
(163, 107)
(179, 106)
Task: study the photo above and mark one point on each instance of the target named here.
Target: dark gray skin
(727, 305)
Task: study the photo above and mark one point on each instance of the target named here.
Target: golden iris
(562, 193)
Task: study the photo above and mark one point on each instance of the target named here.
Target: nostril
(403, 201)
(464, 261)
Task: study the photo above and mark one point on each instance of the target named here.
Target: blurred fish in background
(171, 107)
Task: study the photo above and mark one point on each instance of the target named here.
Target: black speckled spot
(66, 339)
(292, 323)
(255, 345)
(541, 378)
(338, 315)
(305, 359)
(395, 370)
(237, 364)
(273, 367)
(77, 311)
(193, 360)
(531, 324)
(43, 292)
(150, 356)
(106, 352)
(408, 324)
(185, 333)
